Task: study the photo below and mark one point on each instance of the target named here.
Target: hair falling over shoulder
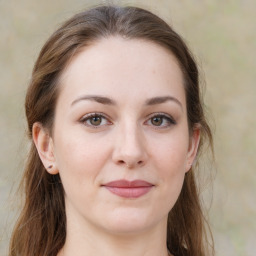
(41, 226)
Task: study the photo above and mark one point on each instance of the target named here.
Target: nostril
(130, 164)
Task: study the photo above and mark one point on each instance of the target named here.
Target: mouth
(129, 189)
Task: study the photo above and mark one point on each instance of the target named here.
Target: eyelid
(94, 114)
(171, 121)
(169, 118)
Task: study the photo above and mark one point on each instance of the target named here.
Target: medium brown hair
(41, 227)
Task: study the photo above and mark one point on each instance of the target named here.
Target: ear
(44, 145)
(193, 147)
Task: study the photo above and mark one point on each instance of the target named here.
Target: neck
(87, 240)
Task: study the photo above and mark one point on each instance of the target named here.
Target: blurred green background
(222, 35)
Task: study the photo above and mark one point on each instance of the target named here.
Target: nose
(130, 148)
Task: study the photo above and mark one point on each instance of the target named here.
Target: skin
(126, 143)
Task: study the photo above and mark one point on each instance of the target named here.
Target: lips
(129, 189)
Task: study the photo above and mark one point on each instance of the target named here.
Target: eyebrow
(107, 101)
(96, 98)
(163, 99)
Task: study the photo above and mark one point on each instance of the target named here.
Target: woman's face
(120, 139)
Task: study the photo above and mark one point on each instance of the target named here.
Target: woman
(116, 119)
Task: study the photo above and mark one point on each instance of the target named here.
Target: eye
(95, 120)
(161, 120)
(157, 120)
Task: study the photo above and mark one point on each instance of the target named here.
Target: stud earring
(50, 166)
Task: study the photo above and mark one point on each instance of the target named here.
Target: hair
(41, 226)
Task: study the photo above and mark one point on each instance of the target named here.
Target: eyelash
(88, 117)
(165, 118)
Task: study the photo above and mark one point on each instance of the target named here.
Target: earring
(50, 166)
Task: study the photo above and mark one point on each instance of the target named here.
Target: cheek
(171, 179)
(172, 170)
(171, 154)
(79, 159)
(171, 158)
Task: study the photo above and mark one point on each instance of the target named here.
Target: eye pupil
(157, 120)
(96, 120)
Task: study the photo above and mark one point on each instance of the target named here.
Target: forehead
(122, 67)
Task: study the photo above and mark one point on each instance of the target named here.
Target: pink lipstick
(129, 189)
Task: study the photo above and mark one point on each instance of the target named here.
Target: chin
(130, 221)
